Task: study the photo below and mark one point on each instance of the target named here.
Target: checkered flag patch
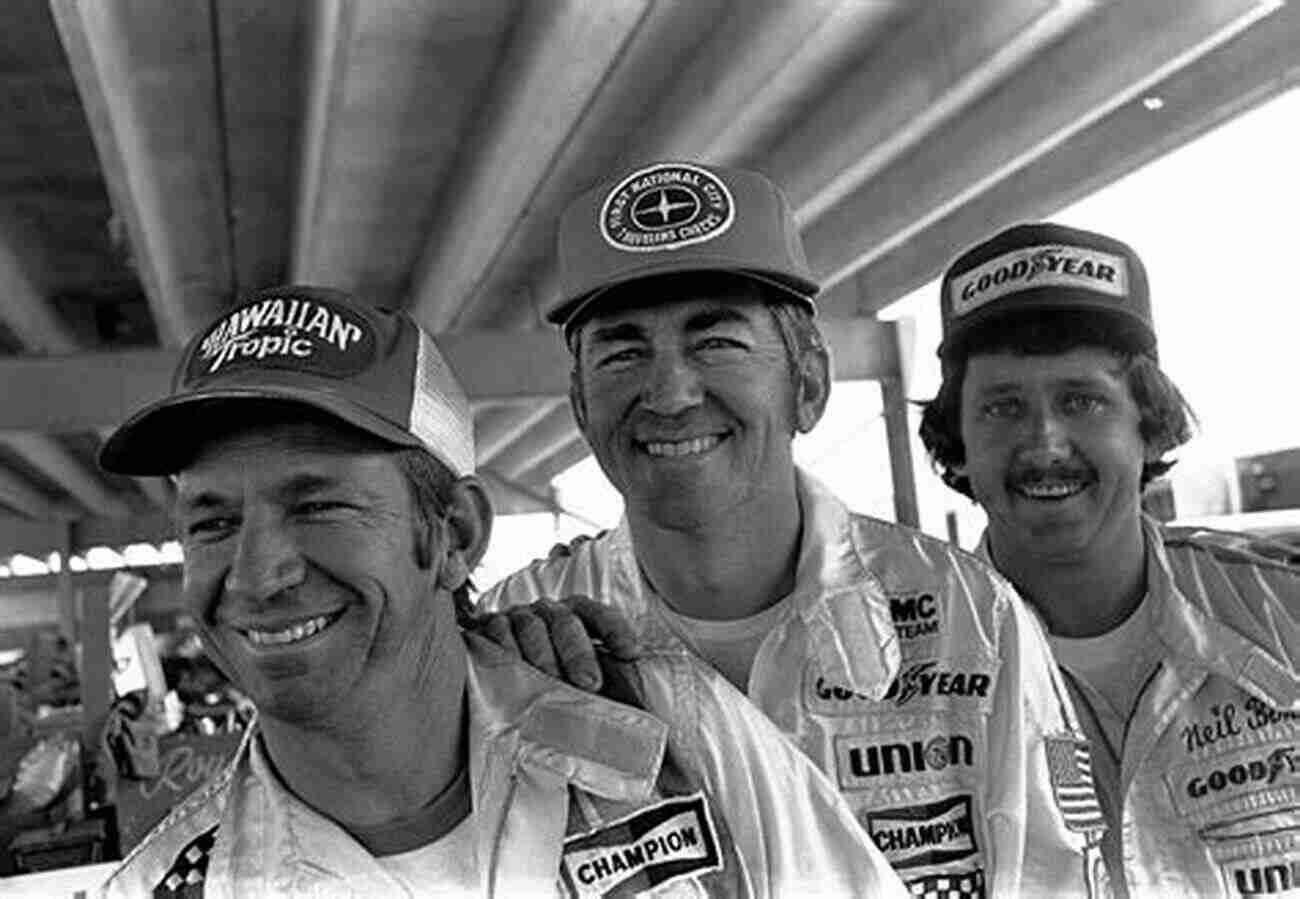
(1069, 761)
(184, 879)
(949, 886)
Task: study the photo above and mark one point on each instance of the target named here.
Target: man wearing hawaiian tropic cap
(1180, 647)
(330, 517)
(907, 670)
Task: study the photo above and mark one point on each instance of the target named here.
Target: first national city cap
(371, 367)
(1044, 268)
(672, 217)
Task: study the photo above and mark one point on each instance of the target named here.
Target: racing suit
(917, 680)
(572, 795)
(1208, 789)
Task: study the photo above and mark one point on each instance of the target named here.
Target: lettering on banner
(653, 846)
(915, 615)
(1226, 720)
(860, 761)
(936, 833)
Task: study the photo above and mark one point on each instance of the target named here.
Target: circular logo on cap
(664, 207)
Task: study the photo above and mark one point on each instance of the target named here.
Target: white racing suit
(918, 681)
(572, 795)
(1209, 784)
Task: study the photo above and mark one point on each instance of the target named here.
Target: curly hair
(1165, 421)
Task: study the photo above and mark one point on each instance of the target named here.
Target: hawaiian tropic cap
(1046, 267)
(677, 217)
(372, 368)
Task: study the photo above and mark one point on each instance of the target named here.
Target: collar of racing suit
(1188, 631)
(840, 601)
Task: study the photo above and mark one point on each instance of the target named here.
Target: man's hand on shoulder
(560, 637)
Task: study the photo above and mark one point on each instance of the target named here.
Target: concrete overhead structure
(161, 156)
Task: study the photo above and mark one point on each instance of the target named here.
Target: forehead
(270, 452)
(679, 309)
(1094, 365)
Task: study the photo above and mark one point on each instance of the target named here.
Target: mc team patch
(651, 847)
(664, 207)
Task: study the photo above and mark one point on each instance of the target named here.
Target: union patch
(664, 207)
(653, 846)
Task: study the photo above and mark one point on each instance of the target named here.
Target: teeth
(1052, 490)
(683, 447)
(290, 634)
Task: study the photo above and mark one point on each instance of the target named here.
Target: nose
(672, 385)
(266, 561)
(1048, 438)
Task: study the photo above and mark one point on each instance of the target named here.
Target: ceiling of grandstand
(160, 157)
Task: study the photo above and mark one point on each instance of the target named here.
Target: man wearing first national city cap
(906, 669)
(1180, 646)
(330, 516)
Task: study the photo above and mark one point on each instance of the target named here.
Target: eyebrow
(621, 332)
(298, 485)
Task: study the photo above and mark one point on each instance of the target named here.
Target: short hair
(430, 483)
(794, 320)
(1165, 417)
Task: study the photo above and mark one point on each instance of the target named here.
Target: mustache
(1028, 473)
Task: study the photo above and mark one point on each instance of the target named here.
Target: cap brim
(164, 437)
(803, 289)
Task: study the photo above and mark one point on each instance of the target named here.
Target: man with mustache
(905, 668)
(330, 516)
(1180, 647)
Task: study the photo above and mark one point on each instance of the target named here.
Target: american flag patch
(1069, 762)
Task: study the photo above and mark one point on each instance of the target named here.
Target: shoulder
(1230, 548)
(577, 566)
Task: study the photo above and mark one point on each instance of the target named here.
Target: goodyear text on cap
(1052, 265)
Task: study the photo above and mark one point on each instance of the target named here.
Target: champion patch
(1069, 763)
(295, 332)
(664, 207)
(651, 847)
(1053, 265)
(937, 833)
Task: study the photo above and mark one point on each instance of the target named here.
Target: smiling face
(1053, 452)
(687, 402)
(302, 572)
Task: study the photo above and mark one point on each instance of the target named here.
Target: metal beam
(51, 458)
(1109, 59)
(501, 432)
(561, 459)
(25, 311)
(20, 496)
(147, 79)
(96, 390)
(557, 428)
(1258, 64)
(545, 87)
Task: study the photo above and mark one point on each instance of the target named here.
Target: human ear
(812, 390)
(469, 527)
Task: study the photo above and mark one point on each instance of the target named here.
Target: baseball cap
(677, 217)
(1047, 267)
(371, 367)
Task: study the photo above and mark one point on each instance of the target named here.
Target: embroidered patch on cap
(664, 207)
(653, 846)
(1052, 265)
(936, 833)
(294, 332)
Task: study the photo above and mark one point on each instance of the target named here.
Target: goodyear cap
(1046, 267)
(677, 217)
(370, 367)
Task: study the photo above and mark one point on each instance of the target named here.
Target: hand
(560, 638)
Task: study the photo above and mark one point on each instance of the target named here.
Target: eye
(1083, 403)
(1002, 408)
(210, 528)
(320, 506)
(720, 343)
(619, 358)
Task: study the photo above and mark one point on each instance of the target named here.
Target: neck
(365, 767)
(1078, 595)
(724, 569)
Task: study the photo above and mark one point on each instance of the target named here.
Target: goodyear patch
(921, 684)
(1255, 780)
(664, 207)
(1050, 265)
(286, 331)
(653, 846)
(936, 833)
